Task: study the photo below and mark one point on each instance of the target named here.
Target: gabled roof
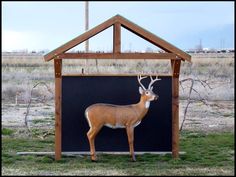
(152, 38)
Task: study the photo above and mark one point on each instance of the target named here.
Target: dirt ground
(218, 116)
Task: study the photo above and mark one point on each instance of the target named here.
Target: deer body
(114, 116)
(118, 116)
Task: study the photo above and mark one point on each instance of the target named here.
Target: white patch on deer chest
(115, 126)
(147, 104)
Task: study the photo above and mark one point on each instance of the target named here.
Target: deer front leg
(91, 137)
(130, 134)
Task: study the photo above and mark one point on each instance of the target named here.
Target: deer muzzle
(156, 97)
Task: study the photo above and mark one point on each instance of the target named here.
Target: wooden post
(58, 80)
(117, 38)
(175, 64)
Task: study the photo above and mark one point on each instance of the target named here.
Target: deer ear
(140, 90)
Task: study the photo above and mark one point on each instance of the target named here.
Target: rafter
(118, 21)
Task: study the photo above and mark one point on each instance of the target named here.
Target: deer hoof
(133, 159)
(93, 159)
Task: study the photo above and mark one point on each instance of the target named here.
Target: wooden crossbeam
(112, 75)
(117, 56)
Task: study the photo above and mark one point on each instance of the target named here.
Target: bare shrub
(22, 91)
(49, 90)
(9, 92)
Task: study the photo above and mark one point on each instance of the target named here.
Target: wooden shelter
(172, 53)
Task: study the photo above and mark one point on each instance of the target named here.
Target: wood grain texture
(175, 65)
(118, 56)
(117, 38)
(58, 83)
(175, 107)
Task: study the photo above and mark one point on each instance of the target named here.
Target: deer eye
(147, 93)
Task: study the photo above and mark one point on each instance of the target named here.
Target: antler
(139, 80)
(152, 82)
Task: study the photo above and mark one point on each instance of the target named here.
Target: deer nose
(156, 97)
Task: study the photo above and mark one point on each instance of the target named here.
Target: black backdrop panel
(78, 92)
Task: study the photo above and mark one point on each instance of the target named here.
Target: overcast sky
(48, 25)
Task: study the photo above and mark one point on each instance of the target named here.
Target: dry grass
(20, 73)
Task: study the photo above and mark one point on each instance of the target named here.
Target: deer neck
(144, 102)
(142, 107)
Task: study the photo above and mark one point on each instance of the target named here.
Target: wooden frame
(58, 82)
(117, 56)
(174, 54)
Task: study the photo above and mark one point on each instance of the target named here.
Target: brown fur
(126, 115)
(117, 116)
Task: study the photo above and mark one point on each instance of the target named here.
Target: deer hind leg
(91, 137)
(130, 134)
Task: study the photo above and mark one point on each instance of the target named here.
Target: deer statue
(119, 116)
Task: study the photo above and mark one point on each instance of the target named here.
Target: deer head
(148, 94)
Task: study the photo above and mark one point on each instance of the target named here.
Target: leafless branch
(29, 103)
(190, 100)
(204, 83)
